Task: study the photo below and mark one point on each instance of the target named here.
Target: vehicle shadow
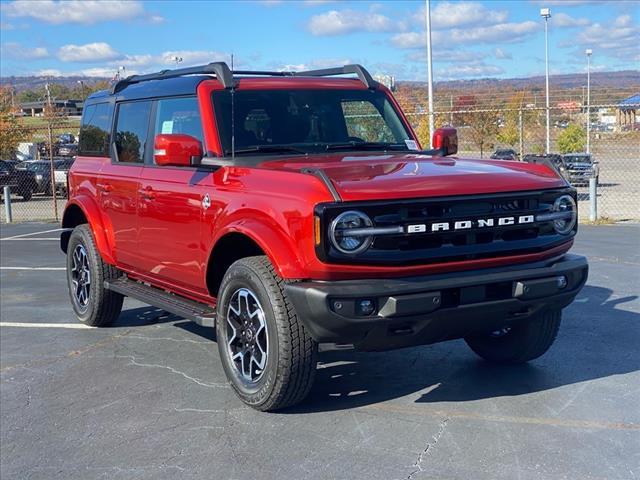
(138, 317)
(450, 372)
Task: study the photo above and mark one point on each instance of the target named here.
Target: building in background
(627, 113)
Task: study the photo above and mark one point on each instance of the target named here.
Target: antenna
(233, 115)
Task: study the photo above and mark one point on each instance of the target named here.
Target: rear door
(120, 179)
(171, 207)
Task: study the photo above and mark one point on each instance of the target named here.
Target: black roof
(170, 87)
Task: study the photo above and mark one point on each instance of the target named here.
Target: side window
(364, 122)
(94, 131)
(131, 131)
(179, 115)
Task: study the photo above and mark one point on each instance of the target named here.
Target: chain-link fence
(36, 174)
(516, 121)
(485, 122)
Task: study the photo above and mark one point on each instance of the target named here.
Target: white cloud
(7, 26)
(15, 50)
(89, 53)
(501, 32)
(85, 12)
(619, 39)
(341, 22)
(458, 14)
(49, 72)
(191, 57)
(564, 20)
(501, 54)
(447, 56)
(470, 71)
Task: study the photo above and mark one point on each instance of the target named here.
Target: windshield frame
(391, 115)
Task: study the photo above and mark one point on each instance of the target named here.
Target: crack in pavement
(427, 450)
(134, 361)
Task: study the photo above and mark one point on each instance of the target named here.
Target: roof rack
(224, 74)
(220, 69)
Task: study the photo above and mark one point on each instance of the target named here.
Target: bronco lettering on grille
(467, 224)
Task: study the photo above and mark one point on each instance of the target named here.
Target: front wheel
(267, 354)
(519, 343)
(93, 304)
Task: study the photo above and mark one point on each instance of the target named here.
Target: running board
(200, 313)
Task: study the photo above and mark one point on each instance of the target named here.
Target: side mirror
(445, 141)
(176, 149)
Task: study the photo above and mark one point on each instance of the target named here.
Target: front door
(172, 203)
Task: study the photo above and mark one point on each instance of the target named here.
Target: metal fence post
(7, 203)
(593, 200)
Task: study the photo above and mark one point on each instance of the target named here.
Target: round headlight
(567, 205)
(339, 232)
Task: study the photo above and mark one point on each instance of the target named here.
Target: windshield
(308, 121)
(577, 158)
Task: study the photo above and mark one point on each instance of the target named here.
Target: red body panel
(150, 221)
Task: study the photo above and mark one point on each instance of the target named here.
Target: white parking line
(26, 239)
(33, 268)
(45, 325)
(34, 233)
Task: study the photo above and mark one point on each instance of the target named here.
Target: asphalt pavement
(147, 398)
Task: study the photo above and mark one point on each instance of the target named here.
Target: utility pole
(429, 70)
(589, 52)
(546, 14)
(50, 114)
(520, 132)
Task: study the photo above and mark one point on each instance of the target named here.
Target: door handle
(105, 187)
(147, 192)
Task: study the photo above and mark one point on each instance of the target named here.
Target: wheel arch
(247, 239)
(84, 211)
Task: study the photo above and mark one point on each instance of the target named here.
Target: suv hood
(410, 175)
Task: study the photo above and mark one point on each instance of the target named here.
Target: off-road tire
(523, 342)
(103, 305)
(291, 352)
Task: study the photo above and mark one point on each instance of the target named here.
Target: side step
(200, 313)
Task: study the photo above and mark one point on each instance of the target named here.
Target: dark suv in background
(505, 154)
(21, 182)
(580, 168)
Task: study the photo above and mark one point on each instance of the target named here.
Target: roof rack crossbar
(362, 73)
(219, 69)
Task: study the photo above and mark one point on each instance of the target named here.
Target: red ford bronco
(292, 209)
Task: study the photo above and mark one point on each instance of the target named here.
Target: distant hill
(620, 79)
(624, 79)
(33, 83)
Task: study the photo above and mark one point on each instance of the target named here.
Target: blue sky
(500, 39)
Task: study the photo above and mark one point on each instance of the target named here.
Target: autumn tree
(11, 131)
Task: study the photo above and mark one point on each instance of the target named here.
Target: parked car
(42, 174)
(504, 154)
(580, 168)
(294, 210)
(552, 160)
(21, 182)
(67, 149)
(60, 175)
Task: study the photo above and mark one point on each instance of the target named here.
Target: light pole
(546, 14)
(429, 70)
(589, 52)
(81, 83)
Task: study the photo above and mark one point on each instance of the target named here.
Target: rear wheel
(267, 354)
(86, 273)
(520, 343)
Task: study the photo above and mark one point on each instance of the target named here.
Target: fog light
(562, 281)
(365, 307)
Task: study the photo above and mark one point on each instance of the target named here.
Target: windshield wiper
(267, 149)
(366, 146)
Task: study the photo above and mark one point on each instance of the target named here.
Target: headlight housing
(565, 204)
(340, 228)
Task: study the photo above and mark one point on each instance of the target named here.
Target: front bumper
(421, 310)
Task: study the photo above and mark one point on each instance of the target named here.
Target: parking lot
(148, 399)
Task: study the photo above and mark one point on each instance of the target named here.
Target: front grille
(473, 241)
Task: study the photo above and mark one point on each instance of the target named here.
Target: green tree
(572, 139)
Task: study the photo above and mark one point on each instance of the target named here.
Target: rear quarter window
(95, 130)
